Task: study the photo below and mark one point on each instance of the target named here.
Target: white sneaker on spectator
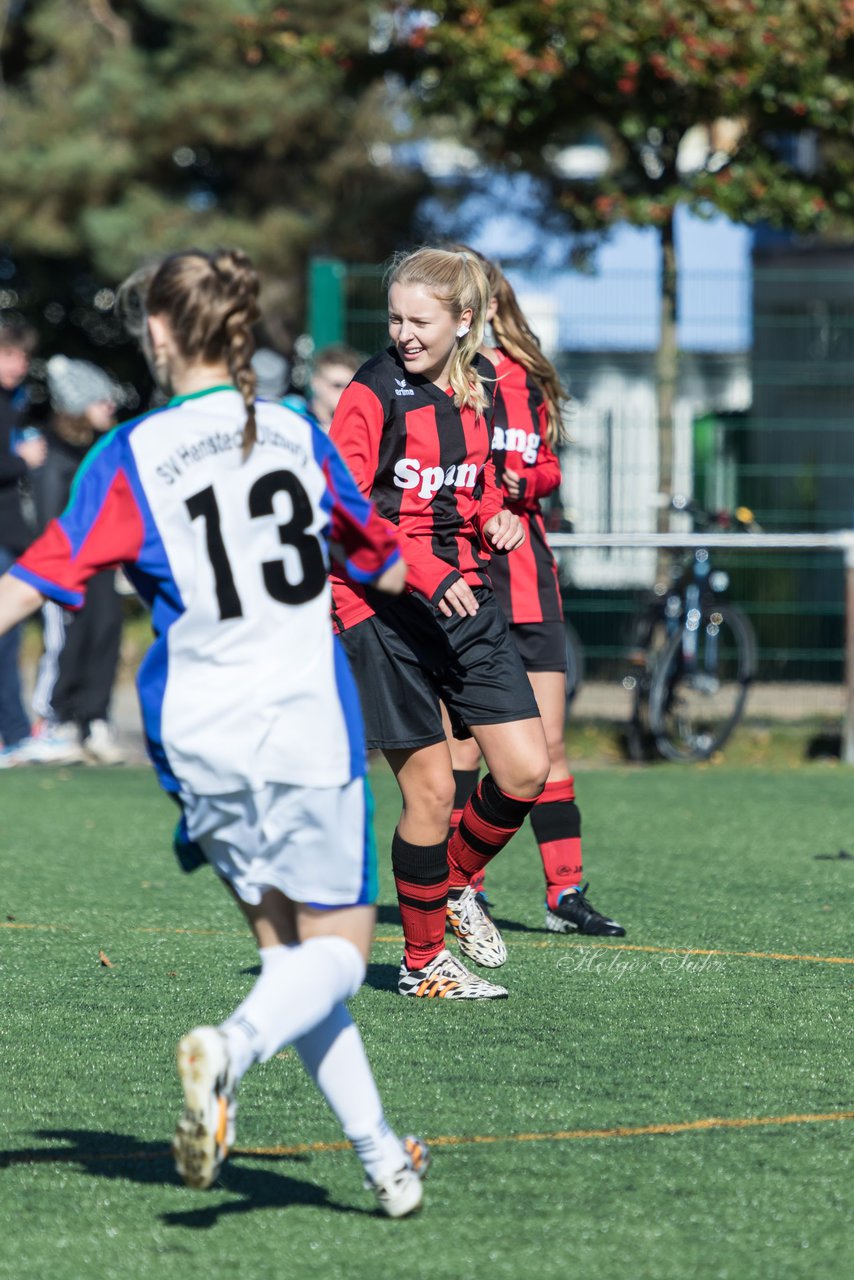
(100, 746)
(44, 748)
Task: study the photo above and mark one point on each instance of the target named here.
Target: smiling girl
(414, 428)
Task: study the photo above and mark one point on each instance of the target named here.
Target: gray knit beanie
(75, 384)
(271, 373)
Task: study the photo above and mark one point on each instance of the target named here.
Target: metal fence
(764, 418)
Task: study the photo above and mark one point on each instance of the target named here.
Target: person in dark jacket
(21, 455)
(81, 654)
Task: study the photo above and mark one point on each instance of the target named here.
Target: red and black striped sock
(465, 782)
(489, 819)
(421, 880)
(556, 820)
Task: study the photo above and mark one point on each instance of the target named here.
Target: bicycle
(695, 656)
(574, 664)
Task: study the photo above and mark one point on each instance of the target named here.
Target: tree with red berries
(520, 81)
(750, 78)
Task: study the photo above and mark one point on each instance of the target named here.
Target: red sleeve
(102, 527)
(544, 477)
(357, 429)
(493, 497)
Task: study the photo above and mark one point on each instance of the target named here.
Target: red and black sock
(465, 782)
(556, 820)
(421, 880)
(489, 820)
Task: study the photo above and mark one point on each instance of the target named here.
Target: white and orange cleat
(447, 978)
(205, 1130)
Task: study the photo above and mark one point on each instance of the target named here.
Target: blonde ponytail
(516, 338)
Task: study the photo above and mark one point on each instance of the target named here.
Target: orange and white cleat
(447, 978)
(205, 1130)
(475, 930)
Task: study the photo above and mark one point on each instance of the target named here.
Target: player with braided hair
(414, 427)
(222, 511)
(527, 425)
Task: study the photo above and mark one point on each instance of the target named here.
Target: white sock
(334, 1056)
(298, 988)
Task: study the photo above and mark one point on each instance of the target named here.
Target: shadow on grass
(116, 1155)
(382, 977)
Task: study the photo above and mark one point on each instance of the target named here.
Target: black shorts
(408, 657)
(541, 645)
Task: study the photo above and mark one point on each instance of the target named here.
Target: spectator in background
(22, 452)
(332, 372)
(272, 374)
(81, 654)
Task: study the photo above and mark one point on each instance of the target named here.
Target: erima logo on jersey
(402, 389)
(409, 474)
(513, 440)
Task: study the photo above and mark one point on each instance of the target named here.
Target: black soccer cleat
(576, 914)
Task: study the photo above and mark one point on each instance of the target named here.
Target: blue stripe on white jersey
(156, 585)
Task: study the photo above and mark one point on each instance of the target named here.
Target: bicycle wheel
(649, 640)
(699, 688)
(574, 664)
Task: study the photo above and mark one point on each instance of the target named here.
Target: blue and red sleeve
(368, 543)
(101, 528)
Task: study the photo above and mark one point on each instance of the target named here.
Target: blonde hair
(515, 336)
(459, 283)
(211, 303)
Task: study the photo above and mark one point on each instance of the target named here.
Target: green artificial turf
(594, 1037)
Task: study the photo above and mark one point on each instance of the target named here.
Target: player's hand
(393, 580)
(32, 451)
(511, 481)
(504, 531)
(459, 598)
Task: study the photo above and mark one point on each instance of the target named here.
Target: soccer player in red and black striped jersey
(526, 427)
(414, 427)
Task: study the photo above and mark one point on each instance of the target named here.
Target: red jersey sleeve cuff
(446, 582)
(62, 595)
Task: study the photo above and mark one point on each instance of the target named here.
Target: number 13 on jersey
(287, 588)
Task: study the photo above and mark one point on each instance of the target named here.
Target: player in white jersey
(222, 510)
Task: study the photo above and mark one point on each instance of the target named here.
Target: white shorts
(315, 844)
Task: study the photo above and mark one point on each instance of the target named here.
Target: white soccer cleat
(475, 930)
(447, 978)
(402, 1193)
(205, 1131)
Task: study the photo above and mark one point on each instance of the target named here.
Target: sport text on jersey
(401, 389)
(409, 474)
(217, 442)
(514, 440)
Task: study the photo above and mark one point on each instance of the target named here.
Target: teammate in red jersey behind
(526, 426)
(414, 428)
